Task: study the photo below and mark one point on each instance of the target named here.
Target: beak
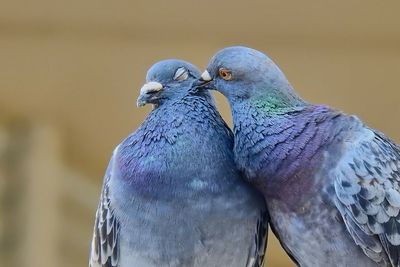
(205, 82)
(205, 76)
(148, 93)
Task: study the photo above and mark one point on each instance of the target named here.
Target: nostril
(151, 88)
(151, 92)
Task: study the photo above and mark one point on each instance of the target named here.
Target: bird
(331, 183)
(172, 195)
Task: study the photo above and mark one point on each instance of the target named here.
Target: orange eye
(225, 74)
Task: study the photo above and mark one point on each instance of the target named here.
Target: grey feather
(377, 204)
(104, 247)
(172, 196)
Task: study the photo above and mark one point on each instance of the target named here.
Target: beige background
(70, 72)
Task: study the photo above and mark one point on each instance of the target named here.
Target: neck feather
(273, 144)
(277, 99)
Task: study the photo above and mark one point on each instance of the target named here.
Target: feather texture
(367, 188)
(104, 250)
(330, 182)
(172, 195)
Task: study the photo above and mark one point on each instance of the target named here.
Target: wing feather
(104, 250)
(368, 198)
(256, 258)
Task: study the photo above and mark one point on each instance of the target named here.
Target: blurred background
(70, 72)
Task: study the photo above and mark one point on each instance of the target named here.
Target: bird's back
(331, 187)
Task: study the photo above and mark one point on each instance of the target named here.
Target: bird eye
(181, 74)
(225, 74)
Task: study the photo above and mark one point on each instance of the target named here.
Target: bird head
(242, 73)
(165, 80)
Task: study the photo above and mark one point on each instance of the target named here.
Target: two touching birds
(179, 190)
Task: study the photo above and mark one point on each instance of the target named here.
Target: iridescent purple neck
(172, 147)
(274, 147)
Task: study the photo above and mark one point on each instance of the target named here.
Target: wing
(260, 242)
(104, 250)
(368, 195)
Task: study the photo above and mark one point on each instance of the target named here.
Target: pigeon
(172, 195)
(331, 183)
